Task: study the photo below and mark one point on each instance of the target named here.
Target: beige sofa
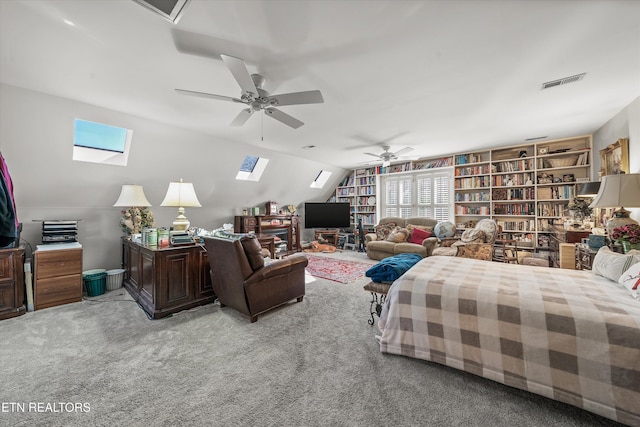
(378, 247)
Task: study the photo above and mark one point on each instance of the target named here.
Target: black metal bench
(376, 289)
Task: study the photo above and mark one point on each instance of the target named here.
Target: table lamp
(181, 195)
(618, 191)
(137, 216)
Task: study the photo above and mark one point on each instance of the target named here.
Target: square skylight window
(321, 179)
(100, 143)
(252, 168)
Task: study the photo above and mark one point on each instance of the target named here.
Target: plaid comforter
(567, 335)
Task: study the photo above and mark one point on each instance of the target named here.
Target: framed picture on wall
(615, 158)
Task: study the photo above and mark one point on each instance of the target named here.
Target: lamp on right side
(618, 191)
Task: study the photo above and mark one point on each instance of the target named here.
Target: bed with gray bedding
(568, 335)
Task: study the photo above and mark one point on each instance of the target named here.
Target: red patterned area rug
(337, 270)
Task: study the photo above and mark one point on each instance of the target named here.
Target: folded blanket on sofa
(389, 269)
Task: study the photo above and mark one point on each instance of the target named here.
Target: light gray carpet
(314, 363)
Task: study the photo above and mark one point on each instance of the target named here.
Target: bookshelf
(525, 188)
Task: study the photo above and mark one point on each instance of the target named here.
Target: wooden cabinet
(562, 246)
(286, 227)
(11, 283)
(57, 277)
(167, 280)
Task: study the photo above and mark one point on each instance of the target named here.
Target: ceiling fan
(387, 156)
(256, 98)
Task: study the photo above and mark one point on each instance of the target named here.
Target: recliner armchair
(479, 242)
(242, 281)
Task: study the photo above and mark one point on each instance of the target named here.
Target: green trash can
(94, 281)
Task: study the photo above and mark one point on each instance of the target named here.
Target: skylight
(100, 143)
(321, 179)
(252, 168)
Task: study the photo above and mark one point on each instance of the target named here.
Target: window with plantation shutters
(425, 194)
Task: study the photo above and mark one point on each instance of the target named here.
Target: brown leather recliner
(242, 281)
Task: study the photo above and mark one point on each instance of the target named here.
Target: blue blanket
(389, 269)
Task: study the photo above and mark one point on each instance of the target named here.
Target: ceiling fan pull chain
(262, 126)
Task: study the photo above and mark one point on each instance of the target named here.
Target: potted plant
(628, 236)
(134, 219)
(580, 208)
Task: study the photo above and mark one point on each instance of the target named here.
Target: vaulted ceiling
(438, 76)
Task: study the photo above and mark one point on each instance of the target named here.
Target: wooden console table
(271, 224)
(167, 280)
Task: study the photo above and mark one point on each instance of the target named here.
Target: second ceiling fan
(387, 156)
(256, 98)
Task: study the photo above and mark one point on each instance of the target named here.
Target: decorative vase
(627, 246)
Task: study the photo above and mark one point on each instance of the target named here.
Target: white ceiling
(439, 76)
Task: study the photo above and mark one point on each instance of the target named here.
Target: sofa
(242, 280)
(395, 236)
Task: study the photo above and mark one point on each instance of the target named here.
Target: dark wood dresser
(12, 283)
(167, 280)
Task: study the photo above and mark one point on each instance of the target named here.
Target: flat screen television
(327, 215)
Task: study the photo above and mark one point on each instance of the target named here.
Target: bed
(568, 335)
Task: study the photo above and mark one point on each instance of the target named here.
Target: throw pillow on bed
(398, 235)
(610, 264)
(630, 279)
(418, 235)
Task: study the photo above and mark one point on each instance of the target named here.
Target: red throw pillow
(418, 235)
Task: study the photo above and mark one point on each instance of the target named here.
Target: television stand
(330, 234)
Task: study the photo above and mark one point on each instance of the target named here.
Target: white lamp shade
(132, 195)
(618, 190)
(181, 194)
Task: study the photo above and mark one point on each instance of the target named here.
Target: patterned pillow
(480, 251)
(610, 264)
(630, 279)
(473, 235)
(490, 229)
(383, 230)
(398, 235)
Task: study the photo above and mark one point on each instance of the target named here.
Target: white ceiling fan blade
(374, 155)
(239, 70)
(242, 117)
(295, 98)
(283, 117)
(404, 150)
(207, 95)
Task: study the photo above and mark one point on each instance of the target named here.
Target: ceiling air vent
(563, 81)
(169, 9)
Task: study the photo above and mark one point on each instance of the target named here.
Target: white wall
(625, 124)
(36, 139)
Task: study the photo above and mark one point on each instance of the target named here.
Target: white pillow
(630, 279)
(610, 264)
